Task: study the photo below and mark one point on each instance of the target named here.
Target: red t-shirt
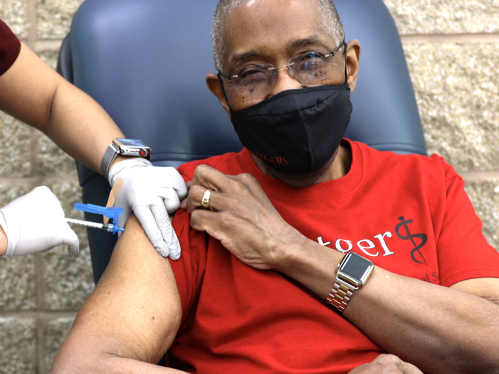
(409, 214)
(10, 47)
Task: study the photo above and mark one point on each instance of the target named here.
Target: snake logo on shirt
(411, 237)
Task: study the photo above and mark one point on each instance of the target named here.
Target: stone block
(449, 17)
(15, 152)
(9, 192)
(14, 14)
(17, 275)
(55, 333)
(17, 283)
(52, 160)
(485, 199)
(457, 88)
(54, 17)
(68, 279)
(17, 346)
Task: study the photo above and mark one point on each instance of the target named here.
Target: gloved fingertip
(175, 257)
(73, 249)
(175, 251)
(162, 250)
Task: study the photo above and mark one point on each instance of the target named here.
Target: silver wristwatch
(123, 147)
(353, 272)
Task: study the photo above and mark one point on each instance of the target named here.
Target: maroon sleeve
(463, 251)
(10, 46)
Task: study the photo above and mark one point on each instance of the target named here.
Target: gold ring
(205, 202)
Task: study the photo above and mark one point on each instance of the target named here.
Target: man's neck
(337, 167)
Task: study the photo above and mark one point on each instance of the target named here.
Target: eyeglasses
(256, 81)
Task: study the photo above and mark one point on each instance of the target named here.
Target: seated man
(263, 232)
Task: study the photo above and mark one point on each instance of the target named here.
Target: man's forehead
(259, 10)
(258, 24)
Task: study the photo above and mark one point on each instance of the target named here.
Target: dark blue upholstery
(145, 62)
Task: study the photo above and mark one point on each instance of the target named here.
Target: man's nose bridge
(284, 80)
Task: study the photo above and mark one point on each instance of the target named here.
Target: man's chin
(297, 181)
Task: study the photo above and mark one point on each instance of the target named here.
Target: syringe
(109, 227)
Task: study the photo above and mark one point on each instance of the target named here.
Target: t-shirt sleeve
(10, 47)
(189, 269)
(463, 251)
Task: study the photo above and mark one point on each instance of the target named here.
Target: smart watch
(353, 272)
(123, 147)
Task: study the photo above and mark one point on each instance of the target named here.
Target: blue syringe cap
(111, 212)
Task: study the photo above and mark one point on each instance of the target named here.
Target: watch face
(356, 267)
(129, 142)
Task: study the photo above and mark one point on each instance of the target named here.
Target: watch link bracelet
(123, 147)
(353, 272)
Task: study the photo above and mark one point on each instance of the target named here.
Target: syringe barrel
(87, 223)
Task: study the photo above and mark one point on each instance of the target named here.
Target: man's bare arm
(131, 318)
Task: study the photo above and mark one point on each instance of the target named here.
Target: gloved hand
(35, 223)
(151, 192)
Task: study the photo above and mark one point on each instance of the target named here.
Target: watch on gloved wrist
(353, 273)
(123, 147)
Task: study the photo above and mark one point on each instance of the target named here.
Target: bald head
(325, 9)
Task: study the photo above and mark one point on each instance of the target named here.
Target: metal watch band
(340, 295)
(109, 156)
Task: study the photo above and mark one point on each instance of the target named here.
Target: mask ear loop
(223, 90)
(346, 74)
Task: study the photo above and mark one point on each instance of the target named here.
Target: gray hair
(326, 9)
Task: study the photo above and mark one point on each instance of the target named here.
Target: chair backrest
(145, 62)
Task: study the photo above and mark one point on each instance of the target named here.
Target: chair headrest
(145, 62)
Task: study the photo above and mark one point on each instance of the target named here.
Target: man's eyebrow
(238, 57)
(305, 42)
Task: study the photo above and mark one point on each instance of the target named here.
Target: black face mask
(296, 132)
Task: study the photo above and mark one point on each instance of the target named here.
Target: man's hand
(387, 364)
(35, 223)
(240, 216)
(151, 192)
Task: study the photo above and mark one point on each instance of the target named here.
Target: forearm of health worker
(34, 93)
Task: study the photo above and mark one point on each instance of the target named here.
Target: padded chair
(145, 62)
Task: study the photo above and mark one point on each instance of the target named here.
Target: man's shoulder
(226, 163)
(391, 162)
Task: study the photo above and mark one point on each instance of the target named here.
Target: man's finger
(206, 221)
(195, 197)
(410, 369)
(217, 201)
(211, 178)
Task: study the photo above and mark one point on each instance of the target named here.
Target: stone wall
(452, 50)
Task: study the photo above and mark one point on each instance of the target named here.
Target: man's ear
(353, 58)
(216, 89)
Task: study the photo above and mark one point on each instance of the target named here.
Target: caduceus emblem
(415, 252)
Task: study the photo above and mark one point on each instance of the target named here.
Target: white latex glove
(151, 192)
(35, 223)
